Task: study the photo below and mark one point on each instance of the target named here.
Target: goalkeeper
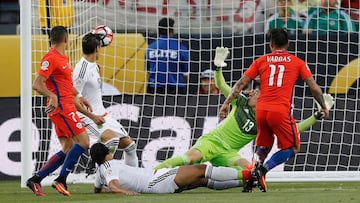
(221, 145)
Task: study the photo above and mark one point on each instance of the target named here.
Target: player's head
(253, 96)
(207, 81)
(98, 153)
(90, 43)
(279, 38)
(58, 35)
(166, 26)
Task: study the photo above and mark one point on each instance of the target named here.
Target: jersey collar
(280, 51)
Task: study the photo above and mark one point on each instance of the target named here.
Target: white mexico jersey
(86, 78)
(141, 180)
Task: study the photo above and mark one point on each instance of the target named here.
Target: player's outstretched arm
(114, 187)
(307, 123)
(101, 190)
(98, 119)
(82, 100)
(237, 88)
(220, 83)
(317, 94)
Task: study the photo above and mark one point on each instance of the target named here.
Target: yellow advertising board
(122, 63)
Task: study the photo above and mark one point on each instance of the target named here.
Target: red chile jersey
(56, 69)
(278, 72)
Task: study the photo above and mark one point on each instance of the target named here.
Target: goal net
(164, 125)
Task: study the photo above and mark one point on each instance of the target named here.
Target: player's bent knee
(107, 135)
(125, 142)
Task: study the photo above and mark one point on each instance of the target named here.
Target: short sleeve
(253, 71)
(305, 71)
(79, 79)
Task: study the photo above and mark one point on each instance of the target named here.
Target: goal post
(25, 99)
(164, 125)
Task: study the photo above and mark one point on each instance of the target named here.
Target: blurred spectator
(207, 83)
(328, 18)
(352, 8)
(55, 12)
(167, 62)
(303, 7)
(285, 17)
(246, 16)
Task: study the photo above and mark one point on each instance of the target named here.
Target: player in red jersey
(278, 73)
(54, 80)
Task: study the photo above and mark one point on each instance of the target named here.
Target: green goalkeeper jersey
(240, 122)
(239, 128)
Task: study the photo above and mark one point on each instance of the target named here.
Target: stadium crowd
(286, 13)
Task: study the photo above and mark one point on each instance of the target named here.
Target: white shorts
(163, 181)
(96, 131)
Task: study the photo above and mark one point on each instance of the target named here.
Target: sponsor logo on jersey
(79, 125)
(45, 65)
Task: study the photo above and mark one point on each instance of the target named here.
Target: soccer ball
(105, 33)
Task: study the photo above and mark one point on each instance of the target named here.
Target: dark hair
(166, 26)
(89, 43)
(256, 84)
(58, 34)
(98, 153)
(279, 37)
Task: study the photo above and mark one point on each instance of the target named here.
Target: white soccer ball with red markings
(105, 33)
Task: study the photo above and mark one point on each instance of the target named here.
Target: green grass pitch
(327, 192)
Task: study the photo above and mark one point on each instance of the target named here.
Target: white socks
(220, 178)
(130, 155)
(221, 173)
(221, 185)
(112, 144)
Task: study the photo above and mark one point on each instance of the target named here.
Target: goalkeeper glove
(221, 54)
(329, 103)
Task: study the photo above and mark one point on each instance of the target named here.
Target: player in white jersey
(113, 176)
(87, 80)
